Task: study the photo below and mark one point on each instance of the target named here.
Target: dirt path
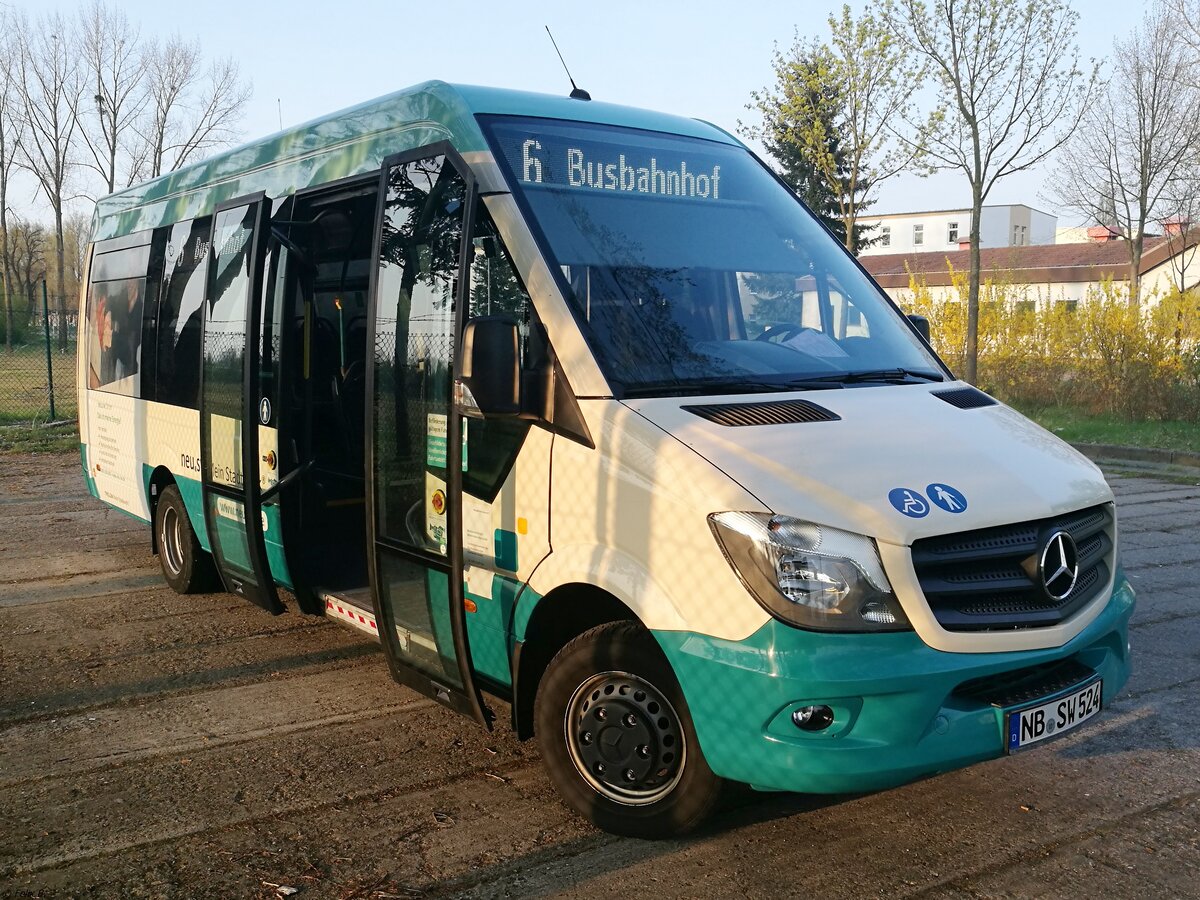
(162, 746)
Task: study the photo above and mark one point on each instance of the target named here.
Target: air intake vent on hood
(768, 412)
(965, 398)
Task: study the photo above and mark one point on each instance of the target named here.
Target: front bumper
(898, 713)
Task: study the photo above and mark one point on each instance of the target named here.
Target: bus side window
(149, 363)
(181, 313)
(496, 289)
(116, 300)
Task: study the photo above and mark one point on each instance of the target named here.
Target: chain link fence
(37, 370)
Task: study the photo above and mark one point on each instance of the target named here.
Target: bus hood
(898, 464)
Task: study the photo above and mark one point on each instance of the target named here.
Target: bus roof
(355, 141)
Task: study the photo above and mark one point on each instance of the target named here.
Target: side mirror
(491, 372)
(922, 325)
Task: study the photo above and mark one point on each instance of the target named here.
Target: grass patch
(61, 437)
(24, 387)
(1078, 427)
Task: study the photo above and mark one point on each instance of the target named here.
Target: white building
(1012, 225)
(1057, 272)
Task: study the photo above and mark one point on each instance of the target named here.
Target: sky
(700, 58)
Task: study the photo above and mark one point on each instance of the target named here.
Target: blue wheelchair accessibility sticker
(909, 502)
(948, 498)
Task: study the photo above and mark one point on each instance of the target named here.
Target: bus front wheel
(617, 737)
(185, 565)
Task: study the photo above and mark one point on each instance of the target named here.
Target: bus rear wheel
(187, 568)
(617, 737)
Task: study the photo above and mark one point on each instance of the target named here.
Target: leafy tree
(832, 120)
(1010, 91)
(799, 133)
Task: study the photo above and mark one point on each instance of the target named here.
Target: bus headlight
(809, 575)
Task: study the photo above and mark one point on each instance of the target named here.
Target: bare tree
(77, 228)
(1010, 91)
(1138, 139)
(192, 109)
(1185, 18)
(50, 89)
(10, 139)
(1180, 221)
(26, 259)
(114, 62)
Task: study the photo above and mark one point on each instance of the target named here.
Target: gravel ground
(164, 746)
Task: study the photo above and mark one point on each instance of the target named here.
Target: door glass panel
(418, 599)
(414, 350)
(268, 400)
(413, 357)
(223, 403)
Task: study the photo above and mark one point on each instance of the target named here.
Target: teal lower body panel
(897, 716)
(488, 635)
(87, 476)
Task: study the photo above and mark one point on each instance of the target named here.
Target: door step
(351, 608)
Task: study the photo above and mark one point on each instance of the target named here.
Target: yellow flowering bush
(1102, 354)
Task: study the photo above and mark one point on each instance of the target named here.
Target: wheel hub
(171, 541)
(624, 738)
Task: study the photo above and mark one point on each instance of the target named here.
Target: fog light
(812, 718)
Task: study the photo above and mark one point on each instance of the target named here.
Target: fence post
(49, 362)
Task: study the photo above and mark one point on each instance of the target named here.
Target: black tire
(600, 717)
(187, 568)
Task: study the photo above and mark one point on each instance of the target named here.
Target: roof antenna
(577, 93)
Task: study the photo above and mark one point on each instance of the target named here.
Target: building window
(885, 235)
(918, 235)
(952, 233)
(1016, 235)
(1024, 236)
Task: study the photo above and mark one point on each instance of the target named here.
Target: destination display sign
(660, 167)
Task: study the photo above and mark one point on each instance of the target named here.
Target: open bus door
(230, 403)
(415, 447)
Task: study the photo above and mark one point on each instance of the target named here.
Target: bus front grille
(990, 579)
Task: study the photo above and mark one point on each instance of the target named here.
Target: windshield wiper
(699, 387)
(889, 376)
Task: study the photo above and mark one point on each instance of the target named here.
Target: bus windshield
(693, 270)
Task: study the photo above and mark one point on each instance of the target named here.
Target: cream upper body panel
(840, 473)
(631, 517)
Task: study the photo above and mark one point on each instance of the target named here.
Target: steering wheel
(777, 332)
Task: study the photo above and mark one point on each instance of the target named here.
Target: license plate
(1050, 719)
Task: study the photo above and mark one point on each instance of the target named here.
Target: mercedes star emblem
(1059, 565)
